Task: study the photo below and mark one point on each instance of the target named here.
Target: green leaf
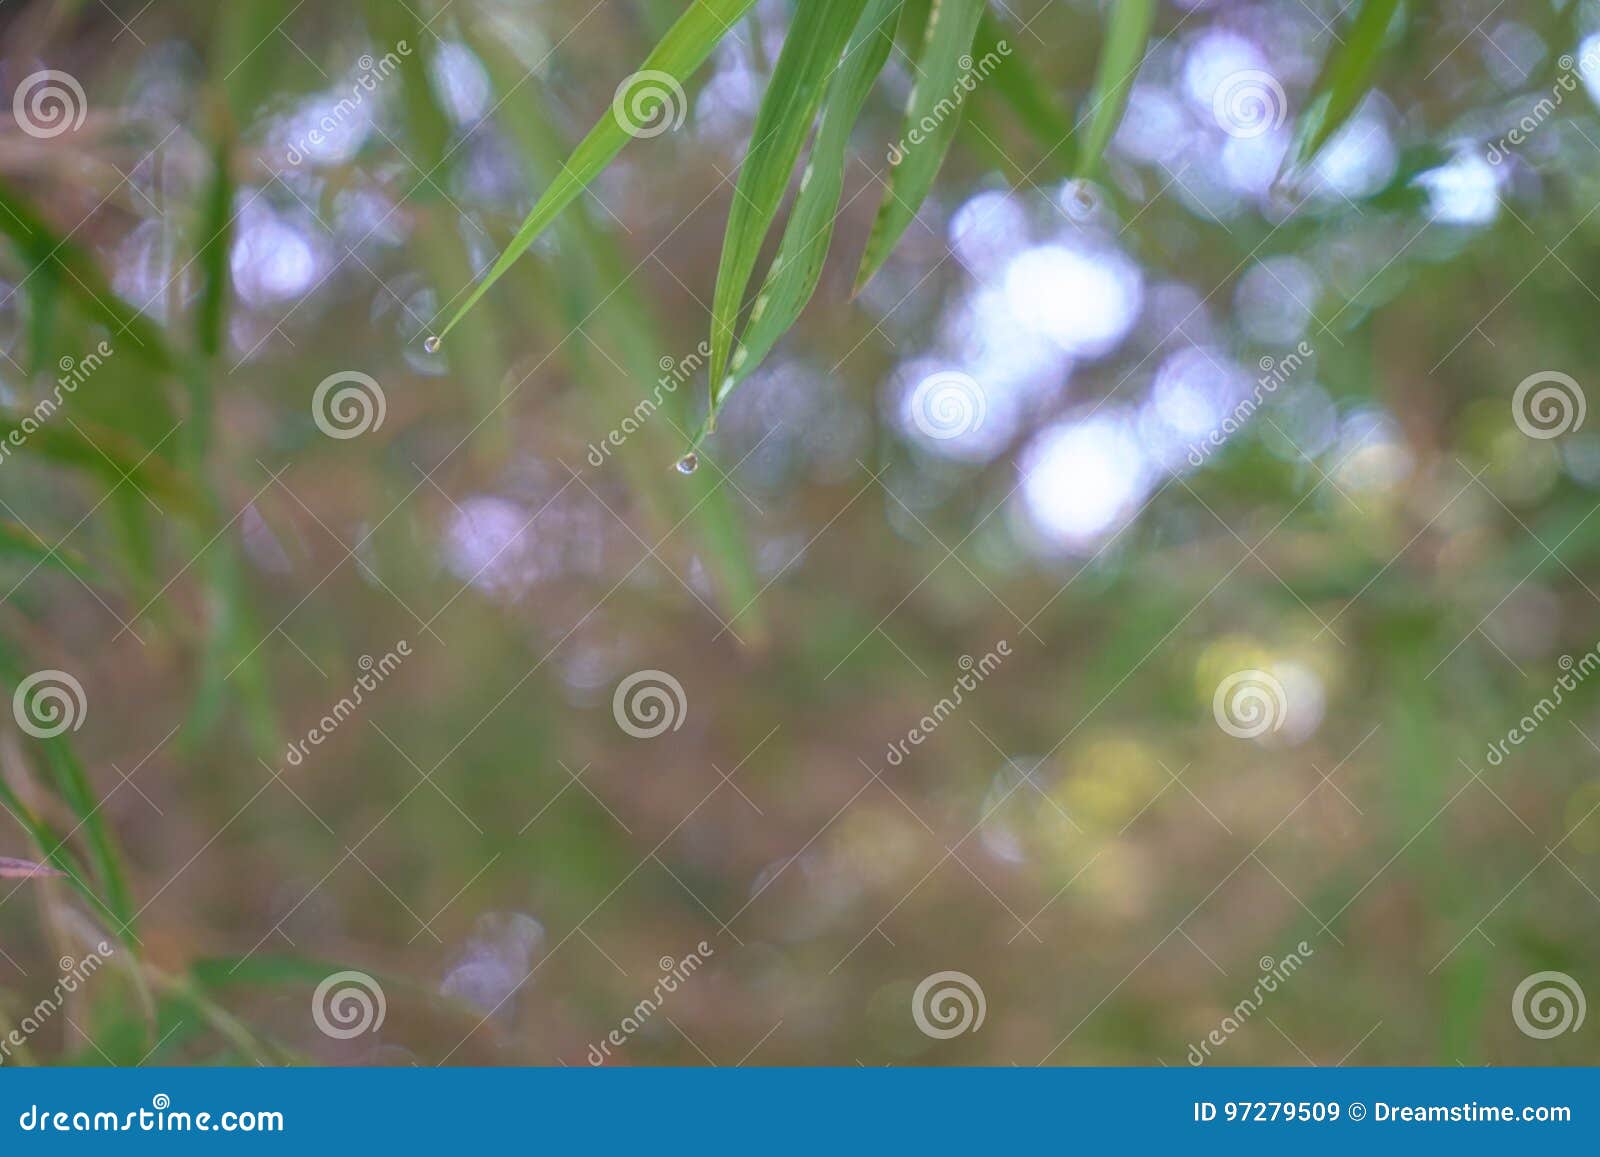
(1345, 78)
(681, 51)
(1127, 35)
(798, 266)
(51, 255)
(1014, 81)
(809, 58)
(17, 541)
(946, 73)
(215, 244)
(72, 781)
(98, 450)
(592, 273)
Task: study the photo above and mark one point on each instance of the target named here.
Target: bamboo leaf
(934, 111)
(215, 244)
(680, 52)
(810, 56)
(1014, 81)
(18, 542)
(1344, 80)
(1127, 35)
(593, 275)
(73, 783)
(798, 266)
(49, 254)
(100, 451)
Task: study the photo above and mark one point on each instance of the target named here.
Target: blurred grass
(851, 581)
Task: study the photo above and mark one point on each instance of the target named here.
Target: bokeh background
(481, 838)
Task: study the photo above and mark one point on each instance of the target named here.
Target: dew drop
(689, 463)
(1082, 199)
(432, 345)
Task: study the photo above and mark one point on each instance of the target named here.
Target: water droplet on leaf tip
(689, 463)
(432, 345)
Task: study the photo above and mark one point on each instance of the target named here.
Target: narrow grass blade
(72, 782)
(798, 266)
(1127, 35)
(681, 51)
(1345, 78)
(18, 542)
(79, 277)
(944, 80)
(594, 277)
(215, 244)
(809, 58)
(1031, 104)
(104, 452)
(51, 844)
